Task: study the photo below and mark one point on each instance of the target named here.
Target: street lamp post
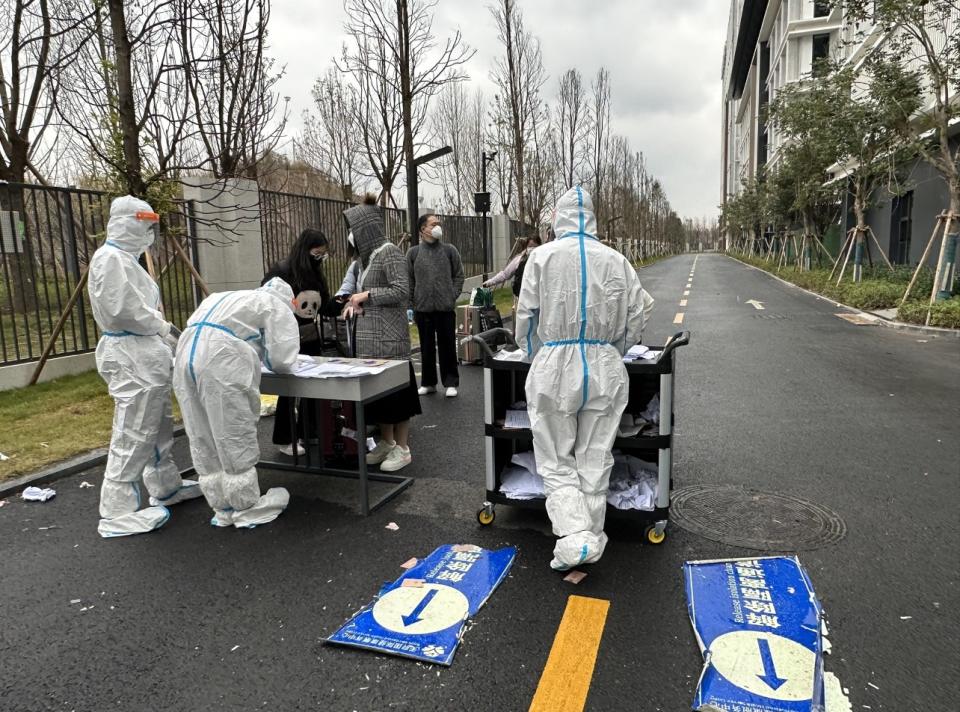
(413, 198)
(482, 205)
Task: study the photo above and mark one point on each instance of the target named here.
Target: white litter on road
(35, 494)
(2, 502)
(85, 484)
(392, 526)
(234, 648)
(906, 618)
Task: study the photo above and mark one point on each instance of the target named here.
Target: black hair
(536, 239)
(423, 220)
(306, 271)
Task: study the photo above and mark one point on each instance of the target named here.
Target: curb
(876, 318)
(63, 469)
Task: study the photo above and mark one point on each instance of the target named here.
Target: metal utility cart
(503, 383)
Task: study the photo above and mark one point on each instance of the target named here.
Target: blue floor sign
(421, 614)
(758, 624)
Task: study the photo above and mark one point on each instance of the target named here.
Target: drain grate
(755, 520)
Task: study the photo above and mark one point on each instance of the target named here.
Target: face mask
(320, 258)
(436, 232)
(350, 240)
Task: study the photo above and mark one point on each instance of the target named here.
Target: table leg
(362, 460)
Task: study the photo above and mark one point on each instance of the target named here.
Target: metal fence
(48, 237)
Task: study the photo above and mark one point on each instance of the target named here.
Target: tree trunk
(860, 237)
(126, 108)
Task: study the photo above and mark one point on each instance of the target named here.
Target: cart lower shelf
(653, 521)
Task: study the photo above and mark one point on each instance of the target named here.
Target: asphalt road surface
(790, 399)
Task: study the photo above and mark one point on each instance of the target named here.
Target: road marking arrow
(415, 615)
(769, 671)
(756, 305)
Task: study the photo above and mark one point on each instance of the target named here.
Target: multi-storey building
(772, 43)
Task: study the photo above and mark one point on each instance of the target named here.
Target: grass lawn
(53, 421)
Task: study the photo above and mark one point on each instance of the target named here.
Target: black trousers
(438, 334)
(281, 422)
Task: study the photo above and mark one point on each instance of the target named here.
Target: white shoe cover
(190, 489)
(222, 518)
(567, 509)
(576, 549)
(139, 522)
(267, 508)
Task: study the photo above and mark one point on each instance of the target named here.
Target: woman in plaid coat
(380, 306)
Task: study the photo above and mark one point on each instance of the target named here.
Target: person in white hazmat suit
(217, 381)
(135, 359)
(581, 307)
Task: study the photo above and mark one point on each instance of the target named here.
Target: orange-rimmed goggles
(147, 216)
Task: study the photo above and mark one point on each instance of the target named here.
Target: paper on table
(516, 420)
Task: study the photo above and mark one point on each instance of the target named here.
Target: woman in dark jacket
(303, 271)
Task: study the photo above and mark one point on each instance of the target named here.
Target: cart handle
(484, 338)
(681, 338)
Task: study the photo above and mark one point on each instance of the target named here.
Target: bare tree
(31, 53)
(600, 138)
(572, 126)
(405, 59)
(500, 135)
(520, 76)
(124, 97)
(231, 81)
(541, 168)
(377, 115)
(330, 139)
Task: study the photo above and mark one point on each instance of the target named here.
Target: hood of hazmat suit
(136, 365)
(217, 382)
(581, 307)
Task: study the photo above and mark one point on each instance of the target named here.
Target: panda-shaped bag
(308, 309)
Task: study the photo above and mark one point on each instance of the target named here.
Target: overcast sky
(664, 57)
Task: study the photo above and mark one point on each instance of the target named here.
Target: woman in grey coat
(380, 306)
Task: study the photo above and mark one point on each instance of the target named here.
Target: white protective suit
(136, 364)
(217, 382)
(580, 308)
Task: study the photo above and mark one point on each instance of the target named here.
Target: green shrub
(945, 314)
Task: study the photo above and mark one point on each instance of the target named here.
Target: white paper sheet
(516, 420)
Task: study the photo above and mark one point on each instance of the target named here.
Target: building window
(821, 53)
(901, 228)
(821, 8)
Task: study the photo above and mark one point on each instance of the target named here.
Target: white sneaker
(451, 392)
(426, 390)
(380, 452)
(397, 459)
(288, 449)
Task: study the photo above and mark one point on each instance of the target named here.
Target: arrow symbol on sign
(756, 305)
(769, 676)
(414, 615)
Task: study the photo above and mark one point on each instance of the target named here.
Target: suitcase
(469, 323)
(335, 416)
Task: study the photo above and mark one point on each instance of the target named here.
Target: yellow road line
(678, 319)
(683, 302)
(566, 677)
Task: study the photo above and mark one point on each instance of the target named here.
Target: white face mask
(320, 258)
(436, 232)
(350, 239)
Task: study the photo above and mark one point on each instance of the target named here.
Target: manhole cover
(755, 520)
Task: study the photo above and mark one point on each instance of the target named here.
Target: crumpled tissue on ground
(35, 494)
